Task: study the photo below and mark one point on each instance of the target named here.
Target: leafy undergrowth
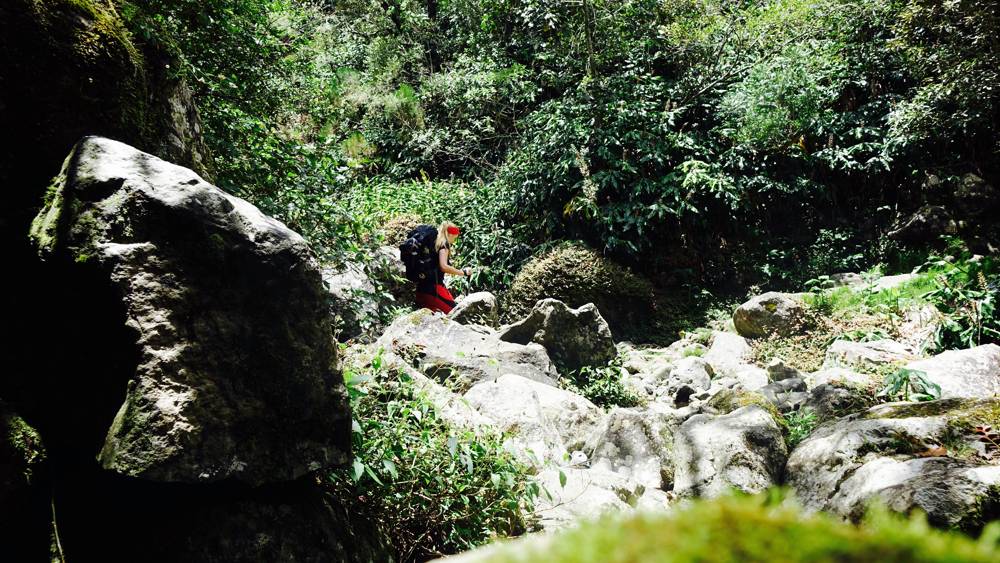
(433, 489)
(603, 386)
(740, 529)
(800, 424)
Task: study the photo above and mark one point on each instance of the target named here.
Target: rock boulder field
(193, 393)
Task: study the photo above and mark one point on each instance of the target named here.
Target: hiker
(426, 252)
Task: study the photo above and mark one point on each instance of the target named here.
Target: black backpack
(419, 255)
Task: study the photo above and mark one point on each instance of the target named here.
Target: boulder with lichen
(908, 456)
(577, 275)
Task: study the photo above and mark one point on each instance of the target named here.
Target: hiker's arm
(445, 267)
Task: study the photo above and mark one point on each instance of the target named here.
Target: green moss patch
(20, 446)
(737, 529)
(959, 412)
(728, 400)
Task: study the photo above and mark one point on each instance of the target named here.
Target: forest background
(712, 145)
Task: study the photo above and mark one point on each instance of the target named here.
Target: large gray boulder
(574, 338)
(477, 308)
(637, 444)
(223, 331)
(974, 372)
(543, 423)
(907, 455)
(728, 353)
(771, 313)
(462, 355)
(742, 450)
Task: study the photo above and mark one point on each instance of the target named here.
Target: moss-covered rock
(728, 400)
(394, 230)
(577, 275)
(910, 456)
(740, 529)
(226, 359)
(71, 68)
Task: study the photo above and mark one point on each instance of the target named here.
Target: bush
(577, 275)
(603, 386)
(967, 293)
(909, 385)
(433, 489)
(800, 424)
(731, 529)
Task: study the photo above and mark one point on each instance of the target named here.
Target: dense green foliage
(966, 292)
(729, 142)
(740, 529)
(433, 489)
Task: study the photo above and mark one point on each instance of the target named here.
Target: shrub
(730, 529)
(909, 384)
(603, 386)
(434, 489)
(966, 292)
(800, 424)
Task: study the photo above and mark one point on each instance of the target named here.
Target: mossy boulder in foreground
(926, 457)
(577, 275)
(733, 529)
(226, 360)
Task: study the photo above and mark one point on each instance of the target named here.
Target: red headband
(453, 231)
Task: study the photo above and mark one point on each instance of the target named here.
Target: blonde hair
(442, 238)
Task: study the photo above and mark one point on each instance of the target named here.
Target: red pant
(440, 301)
